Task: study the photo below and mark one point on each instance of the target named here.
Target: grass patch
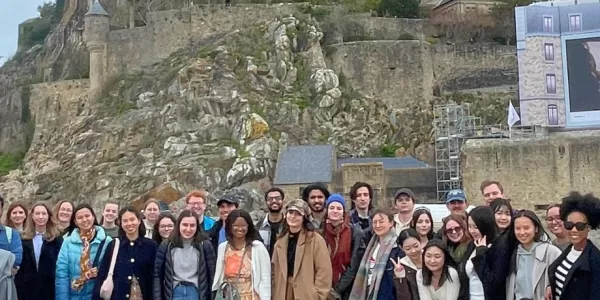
(10, 161)
(388, 150)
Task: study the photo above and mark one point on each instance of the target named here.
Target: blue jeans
(185, 292)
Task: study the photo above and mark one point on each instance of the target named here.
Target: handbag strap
(113, 259)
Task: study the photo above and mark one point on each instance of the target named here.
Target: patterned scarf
(84, 260)
(360, 289)
(339, 242)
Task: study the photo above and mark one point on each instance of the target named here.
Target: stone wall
(372, 173)
(382, 28)
(171, 30)
(460, 67)
(394, 71)
(12, 126)
(534, 172)
(54, 104)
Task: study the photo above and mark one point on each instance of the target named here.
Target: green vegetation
(320, 13)
(10, 161)
(34, 32)
(388, 150)
(399, 9)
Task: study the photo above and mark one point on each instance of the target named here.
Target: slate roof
(305, 164)
(96, 9)
(389, 163)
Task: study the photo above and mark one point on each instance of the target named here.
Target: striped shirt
(563, 269)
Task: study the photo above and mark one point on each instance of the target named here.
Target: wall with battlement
(461, 67)
(534, 172)
(169, 31)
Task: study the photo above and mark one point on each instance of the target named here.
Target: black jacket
(344, 285)
(213, 234)
(163, 270)
(134, 259)
(583, 280)
(492, 265)
(37, 282)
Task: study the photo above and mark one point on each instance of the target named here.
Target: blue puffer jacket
(67, 266)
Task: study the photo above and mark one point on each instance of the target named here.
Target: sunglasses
(580, 226)
(454, 230)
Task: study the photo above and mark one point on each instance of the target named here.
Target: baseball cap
(456, 195)
(405, 191)
(228, 199)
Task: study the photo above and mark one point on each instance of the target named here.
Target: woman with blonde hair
(62, 212)
(16, 215)
(151, 212)
(41, 241)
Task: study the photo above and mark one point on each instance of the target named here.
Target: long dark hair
(448, 262)
(155, 233)
(251, 235)
(484, 219)
(418, 212)
(79, 207)
(541, 235)
(176, 238)
(138, 215)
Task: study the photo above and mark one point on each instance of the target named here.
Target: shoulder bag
(228, 291)
(107, 286)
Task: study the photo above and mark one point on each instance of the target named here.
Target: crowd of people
(304, 249)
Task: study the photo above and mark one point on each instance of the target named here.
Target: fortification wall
(12, 127)
(461, 67)
(394, 71)
(534, 172)
(54, 104)
(171, 30)
(382, 28)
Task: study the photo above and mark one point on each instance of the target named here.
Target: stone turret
(95, 36)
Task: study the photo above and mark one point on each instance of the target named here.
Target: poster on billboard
(558, 50)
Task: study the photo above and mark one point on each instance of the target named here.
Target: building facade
(558, 41)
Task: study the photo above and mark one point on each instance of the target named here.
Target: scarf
(360, 289)
(84, 261)
(339, 242)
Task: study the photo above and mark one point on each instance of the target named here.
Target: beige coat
(312, 268)
(545, 254)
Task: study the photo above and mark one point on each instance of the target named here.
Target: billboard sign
(558, 49)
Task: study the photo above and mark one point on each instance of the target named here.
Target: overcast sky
(12, 13)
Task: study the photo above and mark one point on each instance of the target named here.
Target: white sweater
(448, 291)
(261, 269)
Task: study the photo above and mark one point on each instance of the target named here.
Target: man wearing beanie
(316, 195)
(344, 242)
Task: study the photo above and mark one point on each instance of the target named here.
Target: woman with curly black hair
(576, 272)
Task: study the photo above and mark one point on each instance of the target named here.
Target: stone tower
(95, 36)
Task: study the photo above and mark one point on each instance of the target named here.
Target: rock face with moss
(208, 116)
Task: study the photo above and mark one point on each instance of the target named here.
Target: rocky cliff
(213, 114)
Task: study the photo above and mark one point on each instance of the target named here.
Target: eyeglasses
(277, 198)
(454, 230)
(580, 226)
(553, 219)
(196, 204)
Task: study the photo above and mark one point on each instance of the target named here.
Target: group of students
(304, 249)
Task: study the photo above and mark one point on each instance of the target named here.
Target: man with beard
(315, 195)
(196, 202)
(270, 227)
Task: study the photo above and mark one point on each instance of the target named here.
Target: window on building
(575, 22)
(550, 84)
(549, 51)
(552, 114)
(548, 24)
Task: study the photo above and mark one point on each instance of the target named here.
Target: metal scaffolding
(453, 124)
